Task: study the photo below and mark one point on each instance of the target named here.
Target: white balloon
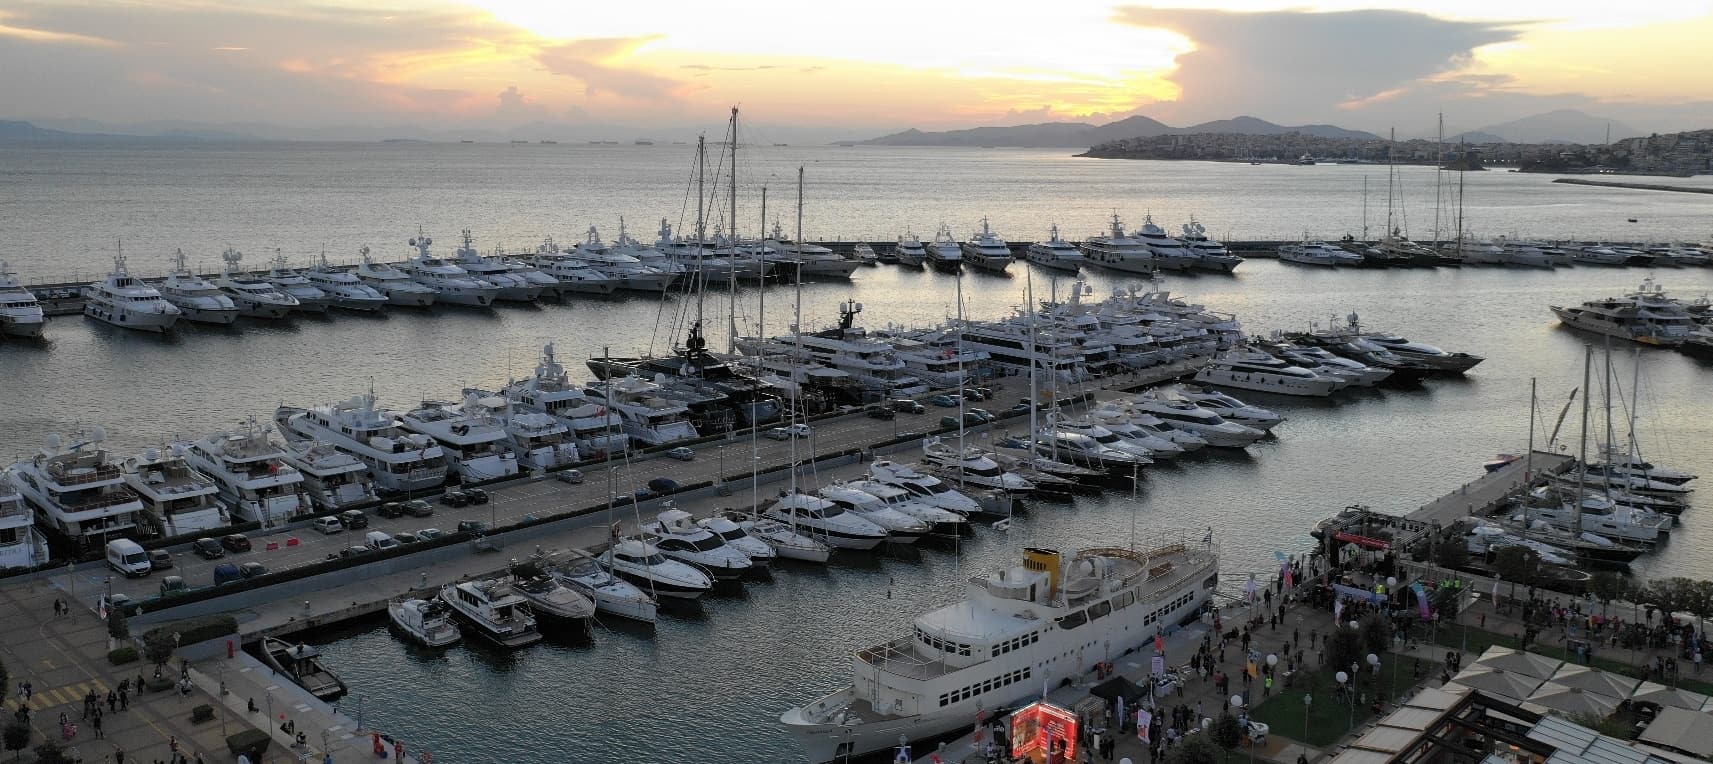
(1355, 625)
(1341, 677)
(1373, 660)
(1124, 761)
(1391, 582)
(1237, 701)
(1272, 660)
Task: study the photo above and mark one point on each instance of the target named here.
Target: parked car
(235, 542)
(354, 519)
(455, 499)
(944, 401)
(429, 534)
(226, 573)
(252, 570)
(986, 392)
(207, 549)
(405, 538)
(983, 414)
(682, 453)
(973, 394)
(662, 485)
(476, 495)
(173, 586)
(418, 508)
(472, 526)
(799, 430)
(907, 406)
(778, 433)
(349, 552)
(390, 510)
(574, 477)
(328, 525)
(948, 421)
(880, 412)
(1021, 408)
(380, 541)
(160, 559)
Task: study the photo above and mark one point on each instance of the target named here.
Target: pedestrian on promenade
(96, 722)
(112, 702)
(58, 607)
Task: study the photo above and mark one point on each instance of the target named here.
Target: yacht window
(1073, 620)
(1099, 609)
(733, 534)
(706, 543)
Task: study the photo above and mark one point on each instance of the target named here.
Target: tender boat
(425, 622)
(493, 610)
(303, 665)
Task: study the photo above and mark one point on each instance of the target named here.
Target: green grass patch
(120, 656)
(1330, 717)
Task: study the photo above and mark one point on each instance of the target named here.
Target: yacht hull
(470, 299)
(1068, 266)
(251, 309)
(215, 316)
(143, 322)
(360, 304)
(27, 329)
(661, 588)
(408, 299)
(1579, 320)
(1318, 387)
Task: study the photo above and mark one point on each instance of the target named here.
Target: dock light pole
(1308, 700)
(720, 477)
(1350, 692)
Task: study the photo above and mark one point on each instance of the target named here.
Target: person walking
(112, 702)
(96, 723)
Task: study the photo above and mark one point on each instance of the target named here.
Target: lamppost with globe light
(1308, 700)
(1243, 723)
(1344, 678)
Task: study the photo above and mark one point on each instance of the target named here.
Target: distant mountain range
(1083, 134)
(1562, 126)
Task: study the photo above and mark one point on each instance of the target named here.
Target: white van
(128, 557)
(380, 541)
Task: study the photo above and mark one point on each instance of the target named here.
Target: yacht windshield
(705, 543)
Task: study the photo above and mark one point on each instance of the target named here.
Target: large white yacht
(910, 251)
(645, 415)
(812, 260)
(332, 479)
(825, 521)
(310, 298)
(926, 488)
(936, 357)
(677, 536)
(451, 284)
(1646, 316)
(1054, 253)
(1210, 254)
(473, 441)
(395, 285)
(124, 300)
(1119, 251)
(1022, 628)
(639, 562)
(398, 460)
(509, 284)
(944, 252)
(343, 288)
(255, 482)
(77, 492)
(570, 275)
(181, 500)
(626, 269)
(987, 250)
(493, 611)
(873, 364)
(1205, 424)
(255, 297)
(942, 521)
(970, 466)
(1168, 253)
(21, 545)
(1311, 252)
(539, 440)
(1230, 408)
(901, 528)
(1248, 370)
(20, 314)
(610, 593)
(595, 429)
(1008, 343)
(194, 296)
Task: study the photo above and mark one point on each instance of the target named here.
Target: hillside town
(1679, 154)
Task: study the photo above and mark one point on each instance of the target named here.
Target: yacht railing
(95, 501)
(69, 476)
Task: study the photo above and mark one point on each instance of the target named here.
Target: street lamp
(1308, 700)
(1343, 679)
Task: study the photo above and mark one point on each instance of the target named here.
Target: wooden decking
(1481, 495)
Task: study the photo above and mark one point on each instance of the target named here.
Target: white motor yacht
(181, 501)
(910, 251)
(944, 252)
(573, 276)
(1526, 255)
(650, 255)
(556, 606)
(344, 288)
(1206, 424)
(451, 284)
(1325, 362)
(1210, 255)
(1594, 254)
(1647, 316)
(638, 561)
(926, 488)
(255, 297)
(398, 460)
(196, 298)
(539, 440)
(596, 430)
(627, 269)
(610, 593)
(126, 301)
(474, 441)
(310, 298)
(396, 285)
(1109, 438)
(426, 622)
(332, 479)
(1054, 253)
(942, 521)
(1081, 449)
(20, 313)
(971, 467)
(1042, 623)
(786, 542)
(1119, 423)
(1231, 408)
(1635, 466)
(987, 250)
(77, 492)
(1119, 251)
(1420, 352)
(1311, 252)
(1601, 516)
(864, 254)
(493, 611)
(825, 521)
(816, 261)
(1248, 370)
(508, 283)
(255, 482)
(737, 537)
(900, 528)
(21, 545)
(677, 536)
(645, 414)
(1168, 253)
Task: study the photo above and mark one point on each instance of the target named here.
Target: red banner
(1045, 728)
(1362, 541)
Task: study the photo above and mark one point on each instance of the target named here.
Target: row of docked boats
(1321, 362)
(1649, 316)
(1146, 251)
(1397, 250)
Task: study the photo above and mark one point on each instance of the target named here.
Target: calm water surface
(707, 683)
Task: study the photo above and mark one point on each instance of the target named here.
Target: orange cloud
(31, 34)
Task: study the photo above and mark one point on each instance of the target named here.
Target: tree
(117, 627)
(1516, 563)
(50, 752)
(1195, 749)
(157, 648)
(1343, 647)
(1225, 732)
(17, 739)
(1606, 586)
(1376, 633)
(1671, 595)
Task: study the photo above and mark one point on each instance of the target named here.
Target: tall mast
(1582, 454)
(701, 222)
(1391, 180)
(797, 326)
(1364, 208)
(1460, 176)
(1438, 171)
(1034, 393)
(1529, 457)
(959, 275)
(1635, 450)
(732, 302)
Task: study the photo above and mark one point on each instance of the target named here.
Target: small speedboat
(638, 561)
(425, 622)
(677, 536)
(302, 664)
(611, 594)
(555, 605)
(785, 540)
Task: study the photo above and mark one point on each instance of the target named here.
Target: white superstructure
(344, 288)
(1249, 370)
(1016, 631)
(397, 286)
(647, 416)
(1210, 255)
(398, 461)
(310, 298)
(77, 492)
(332, 479)
(987, 250)
(124, 300)
(509, 283)
(255, 482)
(1168, 253)
(451, 284)
(1055, 253)
(20, 313)
(21, 545)
(181, 500)
(1117, 250)
(595, 429)
(910, 251)
(473, 441)
(255, 297)
(944, 252)
(194, 296)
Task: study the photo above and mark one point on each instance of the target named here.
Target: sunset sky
(875, 65)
